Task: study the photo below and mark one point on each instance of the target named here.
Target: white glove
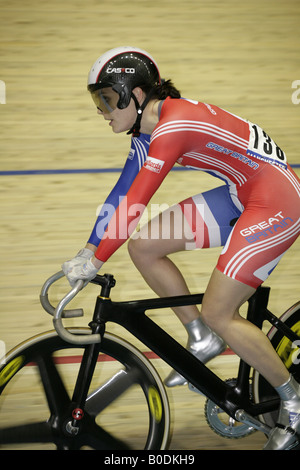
(83, 254)
(80, 267)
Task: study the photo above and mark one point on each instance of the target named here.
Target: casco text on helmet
(123, 69)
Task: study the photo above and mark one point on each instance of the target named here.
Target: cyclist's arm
(129, 212)
(136, 158)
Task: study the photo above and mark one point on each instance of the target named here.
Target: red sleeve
(130, 210)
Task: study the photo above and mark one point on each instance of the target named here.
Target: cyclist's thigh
(211, 216)
(201, 221)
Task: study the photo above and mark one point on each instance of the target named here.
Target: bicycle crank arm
(244, 417)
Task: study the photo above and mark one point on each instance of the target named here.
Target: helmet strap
(135, 130)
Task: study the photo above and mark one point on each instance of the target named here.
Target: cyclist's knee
(138, 248)
(216, 317)
(223, 298)
(133, 248)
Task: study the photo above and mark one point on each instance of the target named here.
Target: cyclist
(254, 214)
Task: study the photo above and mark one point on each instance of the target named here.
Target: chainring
(222, 424)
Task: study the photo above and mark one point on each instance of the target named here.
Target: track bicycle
(91, 411)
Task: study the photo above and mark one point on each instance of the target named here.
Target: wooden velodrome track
(242, 56)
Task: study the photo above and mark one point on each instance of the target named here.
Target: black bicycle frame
(131, 316)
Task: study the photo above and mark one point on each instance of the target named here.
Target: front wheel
(127, 405)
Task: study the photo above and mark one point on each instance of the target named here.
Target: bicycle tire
(129, 379)
(262, 390)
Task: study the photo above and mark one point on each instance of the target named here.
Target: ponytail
(163, 90)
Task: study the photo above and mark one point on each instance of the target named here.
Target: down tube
(160, 342)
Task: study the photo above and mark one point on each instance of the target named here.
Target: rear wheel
(289, 354)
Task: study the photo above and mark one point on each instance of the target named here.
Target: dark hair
(162, 91)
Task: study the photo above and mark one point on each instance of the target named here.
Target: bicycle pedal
(194, 389)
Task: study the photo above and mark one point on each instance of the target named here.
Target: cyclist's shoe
(202, 343)
(284, 435)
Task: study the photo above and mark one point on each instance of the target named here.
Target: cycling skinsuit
(255, 215)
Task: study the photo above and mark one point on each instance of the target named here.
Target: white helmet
(123, 69)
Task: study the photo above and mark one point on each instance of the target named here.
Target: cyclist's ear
(139, 94)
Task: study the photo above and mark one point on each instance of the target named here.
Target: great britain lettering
(232, 153)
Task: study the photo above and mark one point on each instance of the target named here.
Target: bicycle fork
(82, 386)
(88, 363)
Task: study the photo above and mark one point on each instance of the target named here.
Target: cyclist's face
(106, 101)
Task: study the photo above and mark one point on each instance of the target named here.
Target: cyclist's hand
(82, 255)
(80, 267)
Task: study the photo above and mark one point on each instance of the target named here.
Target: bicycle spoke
(99, 399)
(99, 439)
(27, 433)
(57, 396)
(102, 440)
